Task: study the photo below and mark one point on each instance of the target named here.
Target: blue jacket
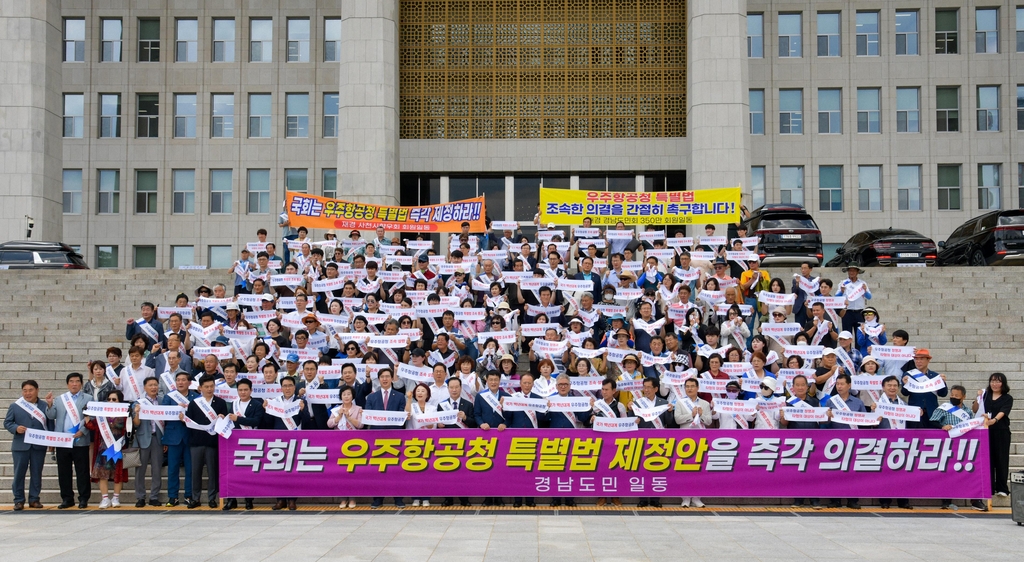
(596, 279)
(484, 413)
(521, 420)
(58, 413)
(132, 330)
(927, 400)
(863, 341)
(175, 432)
(558, 420)
(16, 415)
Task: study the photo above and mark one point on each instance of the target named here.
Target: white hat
(770, 382)
(844, 335)
(828, 351)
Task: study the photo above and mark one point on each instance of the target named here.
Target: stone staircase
(53, 323)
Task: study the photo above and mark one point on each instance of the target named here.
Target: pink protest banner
(581, 462)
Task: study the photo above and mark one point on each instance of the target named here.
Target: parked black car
(27, 254)
(788, 234)
(886, 247)
(995, 238)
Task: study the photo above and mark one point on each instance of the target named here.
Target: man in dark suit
(27, 413)
(317, 413)
(800, 312)
(389, 400)
(360, 390)
(586, 273)
(299, 421)
(488, 412)
(524, 420)
(467, 419)
(246, 413)
(175, 438)
(204, 409)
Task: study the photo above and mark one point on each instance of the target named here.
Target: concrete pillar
(30, 120)
(716, 120)
(368, 98)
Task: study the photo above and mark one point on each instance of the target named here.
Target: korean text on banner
(320, 212)
(516, 462)
(567, 207)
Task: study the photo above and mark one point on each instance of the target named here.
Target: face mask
(732, 395)
(871, 322)
(609, 296)
(955, 401)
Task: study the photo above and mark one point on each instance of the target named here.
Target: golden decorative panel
(483, 69)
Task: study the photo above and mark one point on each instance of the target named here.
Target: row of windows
(144, 257)
(183, 190)
(869, 110)
(187, 37)
(906, 28)
(870, 194)
(185, 112)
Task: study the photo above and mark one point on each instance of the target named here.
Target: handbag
(130, 457)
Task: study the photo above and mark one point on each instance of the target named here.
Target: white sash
(447, 406)
(807, 286)
(897, 412)
(492, 401)
(111, 375)
(132, 383)
(957, 411)
(285, 410)
(919, 386)
(207, 409)
(823, 329)
(33, 410)
(963, 427)
(854, 291)
(236, 407)
(167, 379)
(72, 409)
(649, 412)
(108, 435)
(147, 329)
(604, 409)
(178, 397)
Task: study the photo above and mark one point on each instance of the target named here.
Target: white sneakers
(686, 502)
(105, 503)
(426, 503)
(1002, 494)
(697, 503)
(415, 503)
(351, 503)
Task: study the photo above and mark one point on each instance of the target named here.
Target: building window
(791, 184)
(298, 40)
(183, 256)
(947, 104)
(330, 115)
(184, 188)
(220, 192)
(1020, 107)
(110, 46)
(184, 116)
(295, 180)
(949, 187)
(988, 187)
(757, 176)
(186, 40)
(147, 119)
(223, 121)
(109, 187)
(221, 257)
(869, 114)
(224, 40)
(829, 38)
(71, 186)
(145, 257)
(332, 40)
(869, 187)
(987, 36)
(755, 36)
(988, 108)
(149, 40)
(830, 111)
(110, 116)
(791, 114)
(145, 192)
(74, 40)
(906, 32)
(74, 116)
(909, 187)
(106, 257)
(1020, 30)
(830, 188)
(757, 112)
(908, 110)
(946, 27)
(261, 40)
(259, 116)
(330, 183)
(296, 108)
(790, 39)
(259, 192)
(867, 34)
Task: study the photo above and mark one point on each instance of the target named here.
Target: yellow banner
(568, 207)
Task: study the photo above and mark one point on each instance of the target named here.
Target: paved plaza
(407, 537)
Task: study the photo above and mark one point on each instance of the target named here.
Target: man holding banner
(148, 437)
(24, 418)
(66, 413)
(201, 418)
(923, 387)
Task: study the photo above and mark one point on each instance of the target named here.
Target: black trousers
(204, 456)
(78, 459)
(999, 459)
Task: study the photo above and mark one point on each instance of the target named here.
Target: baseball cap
(828, 351)
(292, 358)
(845, 335)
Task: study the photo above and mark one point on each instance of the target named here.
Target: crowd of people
(386, 325)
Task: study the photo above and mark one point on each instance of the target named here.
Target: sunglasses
(765, 387)
(779, 315)
(308, 321)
